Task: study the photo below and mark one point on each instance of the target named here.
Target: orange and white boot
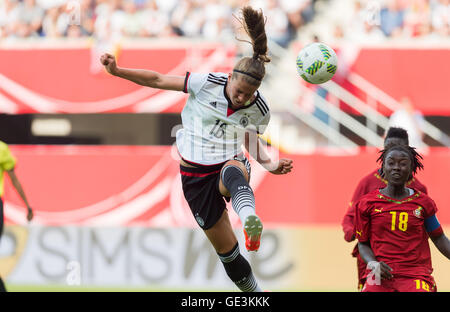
(252, 230)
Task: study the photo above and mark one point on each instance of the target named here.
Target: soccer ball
(316, 63)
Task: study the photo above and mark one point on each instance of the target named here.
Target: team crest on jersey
(244, 121)
(418, 212)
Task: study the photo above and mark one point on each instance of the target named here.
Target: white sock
(242, 197)
(243, 203)
(246, 212)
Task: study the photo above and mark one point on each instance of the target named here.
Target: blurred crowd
(371, 20)
(377, 20)
(147, 18)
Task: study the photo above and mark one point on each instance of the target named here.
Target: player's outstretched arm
(16, 183)
(143, 77)
(442, 243)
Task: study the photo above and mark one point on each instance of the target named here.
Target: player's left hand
(284, 166)
(30, 214)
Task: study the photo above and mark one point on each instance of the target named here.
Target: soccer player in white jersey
(222, 113)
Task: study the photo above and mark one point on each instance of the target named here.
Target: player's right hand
(109, 61)
(379, 267)
(385, 271)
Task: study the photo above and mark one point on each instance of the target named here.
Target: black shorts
(201, 190)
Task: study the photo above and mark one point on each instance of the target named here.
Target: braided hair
(416, 158)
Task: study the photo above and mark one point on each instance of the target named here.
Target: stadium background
(96, 157)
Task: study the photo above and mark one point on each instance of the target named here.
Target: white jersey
(212, 131)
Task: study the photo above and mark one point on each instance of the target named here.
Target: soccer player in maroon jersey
(374, 181)
(392, 226)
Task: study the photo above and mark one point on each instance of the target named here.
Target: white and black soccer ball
(317, 63)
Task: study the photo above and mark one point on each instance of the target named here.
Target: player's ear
(229, 76)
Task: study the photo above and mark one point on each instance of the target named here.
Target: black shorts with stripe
(201, 190)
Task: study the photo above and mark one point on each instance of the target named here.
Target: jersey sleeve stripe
(217, 77)
(261, 101)
(216, 80)
(186, 82)
(261, 108)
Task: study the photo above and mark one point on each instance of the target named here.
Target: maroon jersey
(372, 181)
(396, 231)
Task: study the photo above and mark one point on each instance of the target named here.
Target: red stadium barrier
(71, 80)
(419, 74)
(414, 72)
(123, 185)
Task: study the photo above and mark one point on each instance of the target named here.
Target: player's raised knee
(238, 164)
